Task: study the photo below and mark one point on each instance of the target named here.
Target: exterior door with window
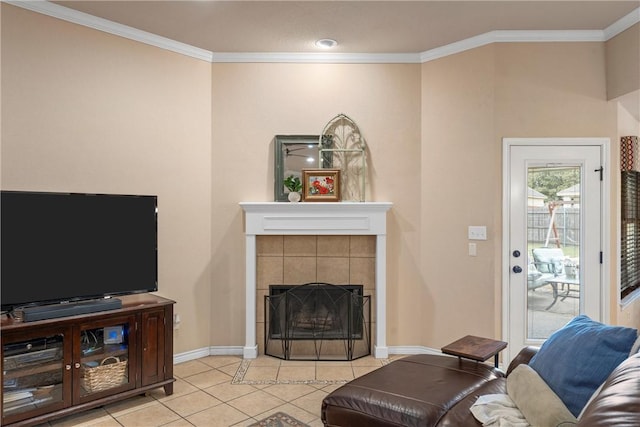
(553, 236)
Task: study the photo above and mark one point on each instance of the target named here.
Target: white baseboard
(226, 350)
(207, 351)
(239, 351)
(413, 349)
(190, 355)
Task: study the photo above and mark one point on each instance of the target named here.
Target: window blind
(630, 245)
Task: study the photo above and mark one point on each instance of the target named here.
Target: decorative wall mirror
(292, 154)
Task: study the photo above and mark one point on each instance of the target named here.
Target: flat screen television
(66, 247)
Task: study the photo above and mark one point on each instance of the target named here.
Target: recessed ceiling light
(326, 43)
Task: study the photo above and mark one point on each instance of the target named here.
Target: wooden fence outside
(567, 221)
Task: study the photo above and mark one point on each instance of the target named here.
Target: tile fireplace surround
(318, 218)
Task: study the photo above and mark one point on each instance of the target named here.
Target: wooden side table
(475, 348)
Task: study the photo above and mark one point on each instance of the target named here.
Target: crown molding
(456, 47)
(100, 24)
(324, 58)
(622, 24)
(512, 36)
(502, 36)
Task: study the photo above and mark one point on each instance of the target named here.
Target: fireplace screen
(317, 321)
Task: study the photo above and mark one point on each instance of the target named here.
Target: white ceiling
(358, 26)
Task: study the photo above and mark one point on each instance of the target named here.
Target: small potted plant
(294, 185)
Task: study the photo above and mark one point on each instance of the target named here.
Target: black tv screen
(59, 247)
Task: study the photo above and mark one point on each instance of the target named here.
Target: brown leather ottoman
(421, 390)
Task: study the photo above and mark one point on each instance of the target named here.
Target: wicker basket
(110, 373)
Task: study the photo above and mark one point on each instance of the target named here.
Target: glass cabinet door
(105, 357)
(33, 374)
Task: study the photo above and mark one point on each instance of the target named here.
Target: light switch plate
(477, 232)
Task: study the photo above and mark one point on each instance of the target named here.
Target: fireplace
(317, 321)
(315, 219)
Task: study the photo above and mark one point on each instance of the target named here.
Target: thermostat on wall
(113, 335)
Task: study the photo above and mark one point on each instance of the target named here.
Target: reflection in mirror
(292, 154)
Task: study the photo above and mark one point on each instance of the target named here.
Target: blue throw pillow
(576, 359)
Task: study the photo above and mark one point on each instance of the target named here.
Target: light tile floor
(205, 396)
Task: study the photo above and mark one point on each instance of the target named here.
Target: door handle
(517, 269)
(516, 253)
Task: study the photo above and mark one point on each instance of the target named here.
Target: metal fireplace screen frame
(317, 321)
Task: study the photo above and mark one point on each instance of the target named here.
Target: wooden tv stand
(57, 367)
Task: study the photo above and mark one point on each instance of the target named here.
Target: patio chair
(535, 278)
(549, 263)
(549, 260)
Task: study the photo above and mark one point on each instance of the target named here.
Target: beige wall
(460, 187)
(470, 102)
(623, 62)
(87, 111)
(542, 95)
(84, 111)
(254, 102)
(627, 123)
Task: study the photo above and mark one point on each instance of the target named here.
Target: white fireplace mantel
(316, 218)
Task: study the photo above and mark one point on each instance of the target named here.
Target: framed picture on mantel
(321, 185)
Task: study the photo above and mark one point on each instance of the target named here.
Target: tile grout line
(303, 400)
